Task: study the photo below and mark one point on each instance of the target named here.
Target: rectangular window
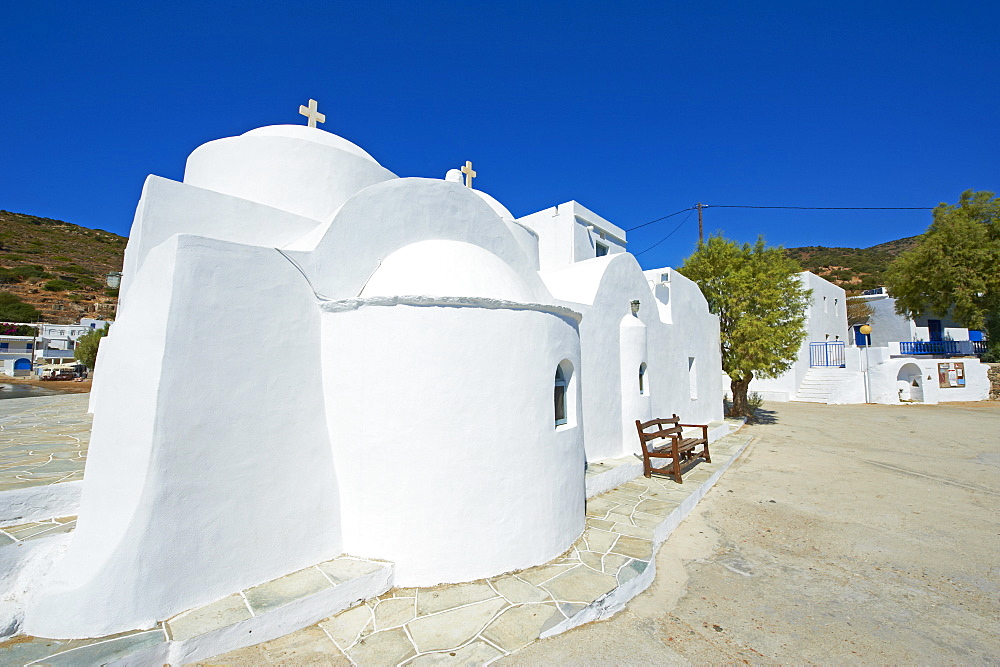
(560, 396)
(4, 346)
(692, 378)
(602, 249)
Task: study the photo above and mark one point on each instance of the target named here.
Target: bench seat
(663, 438)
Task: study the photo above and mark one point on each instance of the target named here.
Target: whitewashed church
(446, 372)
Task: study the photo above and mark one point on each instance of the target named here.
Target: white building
(926, 360)
(16, 353)
(926, 334)
(469, 365)
(57, 342)
(54, 344)
(823, 348)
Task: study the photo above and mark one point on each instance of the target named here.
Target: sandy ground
(843, 534)
(67, 386)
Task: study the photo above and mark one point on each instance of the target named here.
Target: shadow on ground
(763, 416)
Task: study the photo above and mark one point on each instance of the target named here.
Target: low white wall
(885, 384)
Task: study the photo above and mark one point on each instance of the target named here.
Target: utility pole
(701, 226)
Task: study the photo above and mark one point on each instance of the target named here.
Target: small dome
(312, 134)
(447, 268)
(497, 207)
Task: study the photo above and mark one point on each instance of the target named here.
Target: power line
(689, 208)
(686, 218)
(796, 208)
(699, 207)
(829, 208)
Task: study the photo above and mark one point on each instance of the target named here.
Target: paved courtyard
(43, 440)
(844, 534)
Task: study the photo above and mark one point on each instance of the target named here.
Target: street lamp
(865, 331)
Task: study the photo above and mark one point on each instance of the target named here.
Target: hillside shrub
(59, 285)
(12, 309)
(75, 268)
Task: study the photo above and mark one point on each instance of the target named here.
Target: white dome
(497, 207)
(446, 268)
(313, 134)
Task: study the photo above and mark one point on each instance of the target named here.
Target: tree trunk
(739, 386)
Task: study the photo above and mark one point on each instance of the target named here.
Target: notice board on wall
(951, 374)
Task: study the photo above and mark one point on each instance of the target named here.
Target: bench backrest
(656, 429)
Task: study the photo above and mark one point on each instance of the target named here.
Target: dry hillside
(58, 267)
(852, 268)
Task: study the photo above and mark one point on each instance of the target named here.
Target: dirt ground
(843, 534)
(67, 386)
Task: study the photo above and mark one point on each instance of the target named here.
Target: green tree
(956, 267)
(87, 346)
(761, 305)
(12, 309)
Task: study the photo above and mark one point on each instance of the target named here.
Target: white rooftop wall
(570, 233)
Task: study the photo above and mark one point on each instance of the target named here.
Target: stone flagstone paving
(481, 621)
(43, 440)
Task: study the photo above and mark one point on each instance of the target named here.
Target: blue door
(22, 365)
(860, 339)
(934, 329)
(975, 335)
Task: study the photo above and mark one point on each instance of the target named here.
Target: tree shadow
(763, 416)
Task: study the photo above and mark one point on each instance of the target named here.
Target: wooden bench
(664, 439)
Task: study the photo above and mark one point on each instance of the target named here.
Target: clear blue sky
(636, 110)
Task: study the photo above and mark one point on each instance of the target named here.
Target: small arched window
(642, 378)
(560, 396)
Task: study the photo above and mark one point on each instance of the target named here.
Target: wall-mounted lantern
(635, 307)
(114, 279)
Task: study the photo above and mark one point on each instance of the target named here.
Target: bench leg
(708, 457)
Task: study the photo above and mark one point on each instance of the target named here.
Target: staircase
(819, 383)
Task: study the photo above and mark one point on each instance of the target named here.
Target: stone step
(258, 614)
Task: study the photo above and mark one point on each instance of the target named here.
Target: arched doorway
(910, 384)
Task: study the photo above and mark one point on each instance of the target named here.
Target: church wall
(444, 436)
(555, 237)
(204, 475)
(611, 402)
(694, 393)
(167, 208)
